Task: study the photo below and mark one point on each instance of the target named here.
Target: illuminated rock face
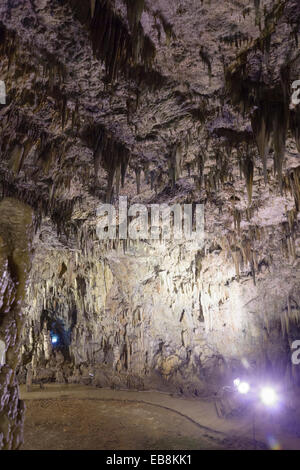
(168, 102)
(158, 317)
(15, 250)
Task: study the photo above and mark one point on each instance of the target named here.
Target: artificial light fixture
(54, 339)
(243, 388)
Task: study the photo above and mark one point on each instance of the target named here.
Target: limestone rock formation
(165, 102)
(15, 251)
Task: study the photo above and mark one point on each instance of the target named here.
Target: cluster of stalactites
(112, 155)
(270, 125)
(242, 252)
(119, 46)
(241, 246)
(290, 315)
(267, 100)
(30, 142)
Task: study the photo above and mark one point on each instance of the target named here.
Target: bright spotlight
(268, 396)
(243, 388)
(54, 339)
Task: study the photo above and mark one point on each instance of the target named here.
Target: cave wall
(178, 102)
(15, 255)
(166, 316)
(134, 318)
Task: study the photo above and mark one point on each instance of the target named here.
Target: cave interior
(168, 104)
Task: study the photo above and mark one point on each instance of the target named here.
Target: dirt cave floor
(106, 425)
(74, 417)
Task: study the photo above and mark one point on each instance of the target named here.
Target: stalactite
(138, 180)
(63, 112)
(261, 126)
(109, 152)
(237, 220)
(280, 122)
(295, 126)
(236, 258)
(206, 60)
(168, 28)
(93, 4)
(291, 183)
(134, 12)
(248, 169)
(118, 175)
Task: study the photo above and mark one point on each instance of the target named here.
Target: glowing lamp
(54, 339)
(268, 396)
(243, 388)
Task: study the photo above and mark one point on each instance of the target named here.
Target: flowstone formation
(15, 256)
(165, 102)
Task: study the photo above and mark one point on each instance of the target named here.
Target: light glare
(243, 388)
(54, 339)
(268, 396)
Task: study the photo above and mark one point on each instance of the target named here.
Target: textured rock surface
(164, 102)
(15, 235)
